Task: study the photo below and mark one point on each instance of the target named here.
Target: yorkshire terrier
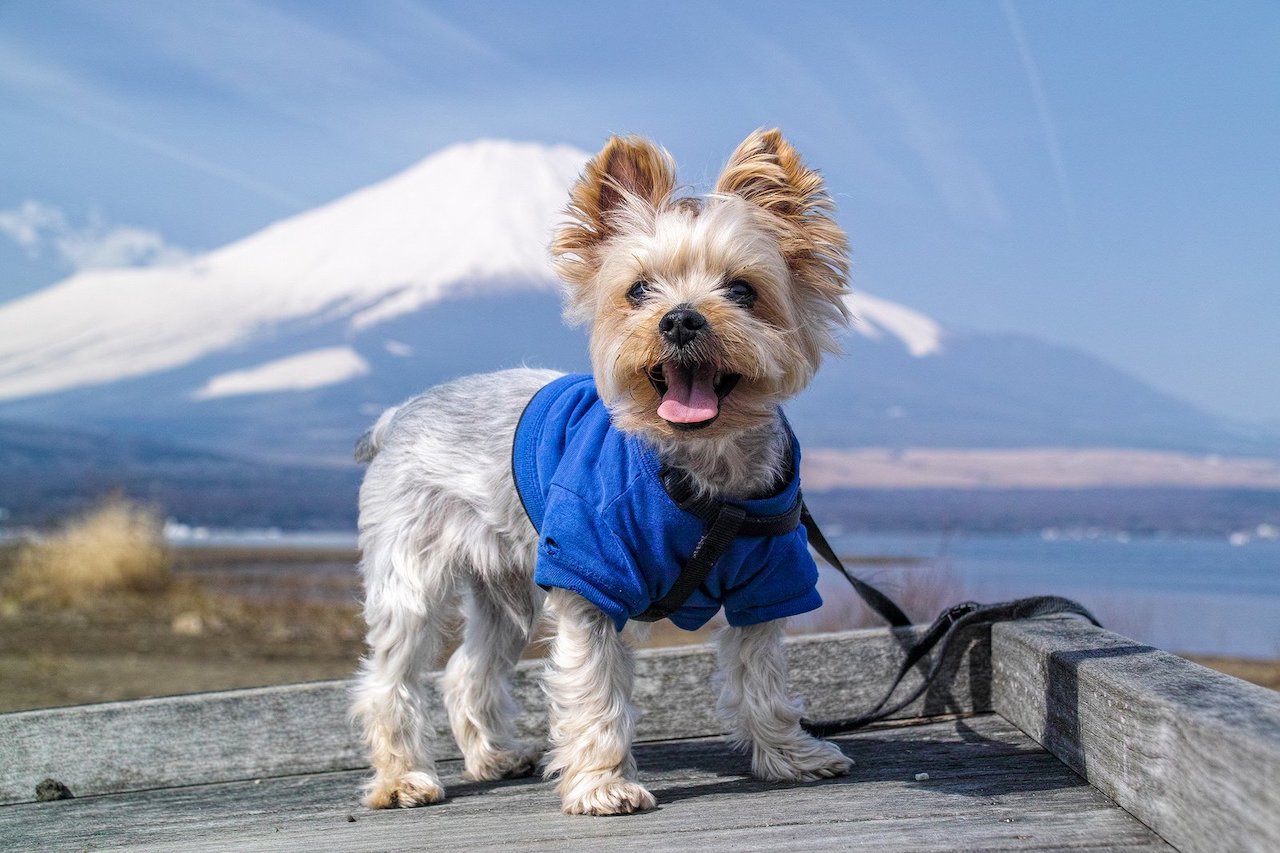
(705, 315)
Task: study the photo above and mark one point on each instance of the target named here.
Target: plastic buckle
(959, 611)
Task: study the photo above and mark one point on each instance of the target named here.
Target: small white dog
(705, 314)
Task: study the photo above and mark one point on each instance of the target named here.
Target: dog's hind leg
(593, 721)
(761, 715)
(477, 680)
(408, 602)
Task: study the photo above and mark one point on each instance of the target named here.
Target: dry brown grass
(117, 547)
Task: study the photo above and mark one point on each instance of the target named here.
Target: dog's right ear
(620, 188)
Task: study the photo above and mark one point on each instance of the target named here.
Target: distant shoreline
(828, 469)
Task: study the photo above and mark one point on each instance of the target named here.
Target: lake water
(1207, 596)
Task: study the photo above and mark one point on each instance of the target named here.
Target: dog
(705, 315)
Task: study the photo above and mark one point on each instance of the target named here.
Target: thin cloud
(440, 26)
(54, 89)
(1047, 125)
(963, 184)
(187, 158)
(37, 228)
(263, 56)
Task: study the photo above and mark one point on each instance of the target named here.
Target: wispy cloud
(38, 228)
(294, 67)
(52, 88)
(442, 28)
(957, 176)
(829, 115)
(260, 55)
(1047, 125)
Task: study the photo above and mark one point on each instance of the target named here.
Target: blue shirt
(609, 531)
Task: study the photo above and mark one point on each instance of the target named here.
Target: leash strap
(940, 634)
(724, 521)
(875, 599)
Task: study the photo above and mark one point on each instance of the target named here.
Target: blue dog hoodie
(609, 531)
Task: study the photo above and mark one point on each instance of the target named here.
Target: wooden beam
(1192, 753)
(302, 728)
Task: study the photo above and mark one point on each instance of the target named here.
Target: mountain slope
(50, 473)
(285, 344)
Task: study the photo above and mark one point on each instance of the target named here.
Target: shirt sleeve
(579, 552)
(786, 585)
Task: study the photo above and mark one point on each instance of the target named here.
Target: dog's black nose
(681, 325)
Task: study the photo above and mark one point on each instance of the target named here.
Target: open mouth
(691, 393)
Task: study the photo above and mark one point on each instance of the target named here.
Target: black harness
(725, 521)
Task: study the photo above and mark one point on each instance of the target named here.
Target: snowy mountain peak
(471, 215)
(873, 317)
(470, 218)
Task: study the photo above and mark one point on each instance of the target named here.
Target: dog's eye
(741, 292)
(638, 292)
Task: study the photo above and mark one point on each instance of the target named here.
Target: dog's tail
(371, 442)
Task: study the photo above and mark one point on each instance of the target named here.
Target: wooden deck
(1045, 735)
(989, 787)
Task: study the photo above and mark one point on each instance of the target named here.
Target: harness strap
(676, 484)
(714, 542)
(711, 547)
(723, 522)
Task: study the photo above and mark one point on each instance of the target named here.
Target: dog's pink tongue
(691, 394)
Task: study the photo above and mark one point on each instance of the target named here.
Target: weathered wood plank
(246, 734)
(1192, 753)
(990, 787)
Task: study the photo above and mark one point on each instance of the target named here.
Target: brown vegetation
(116, 547)
(222, 619)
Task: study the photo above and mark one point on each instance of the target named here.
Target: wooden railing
(1192, 753)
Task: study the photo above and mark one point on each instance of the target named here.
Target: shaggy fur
(441, 524)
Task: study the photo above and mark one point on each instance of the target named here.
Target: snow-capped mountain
(467, 217)
(286, 343)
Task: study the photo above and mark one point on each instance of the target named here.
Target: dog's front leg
(760, 713)
(593, 721)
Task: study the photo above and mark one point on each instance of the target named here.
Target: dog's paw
(520, 760)
(801, 760)
(406, 792)
(616, 796)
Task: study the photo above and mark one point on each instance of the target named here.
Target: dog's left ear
(767, 172)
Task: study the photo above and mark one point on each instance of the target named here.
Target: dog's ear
(767, 172)
(630, 177)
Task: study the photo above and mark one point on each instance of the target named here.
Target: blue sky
(1099, 174)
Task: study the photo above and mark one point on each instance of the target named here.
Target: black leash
(939, 635)
(725, 521)
(877, 600)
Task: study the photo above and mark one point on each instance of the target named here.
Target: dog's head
(707, 313)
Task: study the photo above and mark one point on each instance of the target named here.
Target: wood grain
(990, 787)
(1192, 753)
(302, 728)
